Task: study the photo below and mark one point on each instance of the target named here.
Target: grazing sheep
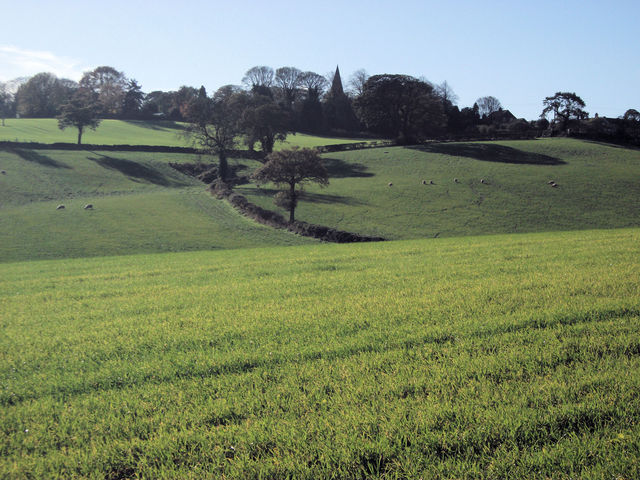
(424, 182)
(60, 207)
(390, 184)
(88, 206)
(455, 180)
(482, 180)
(3, 172)
(551, 182)
(554, 185)
(431, 182)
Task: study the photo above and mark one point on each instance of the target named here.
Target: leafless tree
(357, 81)
(260, 76)
(488, 105)
(446, 93)
(313, 83)
(288, 81)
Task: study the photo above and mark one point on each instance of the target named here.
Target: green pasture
(499, 357)
(130, 132)
(140, 205)
(598, 187)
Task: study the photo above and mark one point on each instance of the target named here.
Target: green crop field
(513, 356)
(131, 132)
(598, 187)
(140, 205)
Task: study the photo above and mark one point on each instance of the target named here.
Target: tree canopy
(81, 112)
(565, 106)
(400, 106)
(291, 168)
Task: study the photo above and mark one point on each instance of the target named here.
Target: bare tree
(357, 81)
(6, 100)
(446, 93)
(488, 105)
(260, 76)
(288, 80)
(313, 83)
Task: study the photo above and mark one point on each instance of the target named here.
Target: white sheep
(60, 207)
(390, 184)
(455, 180)
(88, 206)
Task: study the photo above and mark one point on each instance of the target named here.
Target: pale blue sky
(517, 51)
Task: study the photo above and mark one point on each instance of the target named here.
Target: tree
(288, 81)
(81, 112)
(259, 80)
(399, 106)
(357, 81)
(6, 102)
(133, 98)
(488, 105)
(215, 124)
(43, 95)
(265, 122)
(291, 168)
(566, 107)
(311, 118)
(109, 85)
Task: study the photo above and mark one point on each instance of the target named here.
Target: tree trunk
(79, 135)
(224, 166)
(292, 202)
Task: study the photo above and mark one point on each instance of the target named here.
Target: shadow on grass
(340, 169)
(134, 170)
(35, 157)
(157, 124)
(489, 152)
(305, 196)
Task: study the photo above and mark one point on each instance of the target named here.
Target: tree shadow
(134, 170)
(304, 196)
(157, 124)
(489, 152)
(340, 169)
(35, 157)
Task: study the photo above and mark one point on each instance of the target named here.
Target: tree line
(270, 103)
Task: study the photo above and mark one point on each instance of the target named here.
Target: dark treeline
(270, 103)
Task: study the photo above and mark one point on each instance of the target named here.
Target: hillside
(140, 205)
(598, 187)
(477, 357)
(129, 132)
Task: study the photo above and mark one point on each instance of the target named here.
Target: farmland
(129, 132)
(494, 356)
(597, 188)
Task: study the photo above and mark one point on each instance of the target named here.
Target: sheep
(88, 206)
(551, 182)
(455, 180)
(424, 182)
(554, 185)
(482, 180)
(3, 172)
(60, 207)
(390, 184)
(431, 182)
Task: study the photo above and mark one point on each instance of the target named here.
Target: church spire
(336, 86)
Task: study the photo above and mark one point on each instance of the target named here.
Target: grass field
(140, 205)
(131, 132)
(598, 188)
(479, 357)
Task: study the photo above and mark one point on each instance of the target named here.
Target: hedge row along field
(477, 357)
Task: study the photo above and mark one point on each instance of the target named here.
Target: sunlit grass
(479, 357)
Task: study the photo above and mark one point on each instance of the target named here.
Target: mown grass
(129, 132)
(597, 188)
(478, 357)
(141, 205)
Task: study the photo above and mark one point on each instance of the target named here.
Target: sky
(517, 51)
